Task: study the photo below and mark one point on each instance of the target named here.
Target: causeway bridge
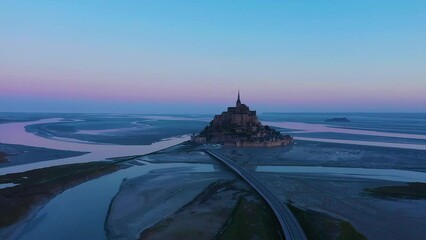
(290, 227)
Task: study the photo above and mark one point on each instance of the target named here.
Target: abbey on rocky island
(240, 126)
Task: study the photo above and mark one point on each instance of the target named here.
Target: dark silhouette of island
(342, 119)
(239, 126)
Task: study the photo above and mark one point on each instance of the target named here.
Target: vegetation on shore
(414, 190)
(37, 186)
(251, 219)
(320, 226)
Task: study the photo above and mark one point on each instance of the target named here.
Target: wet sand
(345, 198)
(331, 178)
(176, 204)
(304, 153)
(13, 154)
(365, 143)
(178, 156)
(146, 200)
(147, 203)
(309, 127)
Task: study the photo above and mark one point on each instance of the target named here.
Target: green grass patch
(320, 226)
(251, 220)
(347, 231)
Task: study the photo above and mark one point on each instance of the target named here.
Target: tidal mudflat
(117, 129)
(359, 185)
(155, 191)
(145, 203)
(365, 175)
(151, 200)
(48, 165)
(13, 154)
(310, 153)
(164, 203)
(16, 133)
(345, 198)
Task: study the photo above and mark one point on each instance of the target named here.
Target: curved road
(289, 224)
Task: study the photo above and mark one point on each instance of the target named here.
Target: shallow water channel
(80, 212)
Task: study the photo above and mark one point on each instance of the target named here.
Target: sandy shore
(146, 200)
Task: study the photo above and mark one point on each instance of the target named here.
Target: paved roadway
(289, 224)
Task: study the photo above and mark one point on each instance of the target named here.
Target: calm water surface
(80, 212)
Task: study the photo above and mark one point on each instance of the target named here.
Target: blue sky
(192, 56)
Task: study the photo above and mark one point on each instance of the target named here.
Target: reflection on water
(380, 174)
(85, 206)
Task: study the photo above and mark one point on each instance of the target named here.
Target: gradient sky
(193, 56)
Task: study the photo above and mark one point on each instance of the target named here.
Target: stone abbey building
(240, 126)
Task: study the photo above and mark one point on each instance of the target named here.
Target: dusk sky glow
(193, 56)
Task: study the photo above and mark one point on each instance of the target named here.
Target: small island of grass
(321, 226)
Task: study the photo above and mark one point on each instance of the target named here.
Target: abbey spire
(238, 100)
